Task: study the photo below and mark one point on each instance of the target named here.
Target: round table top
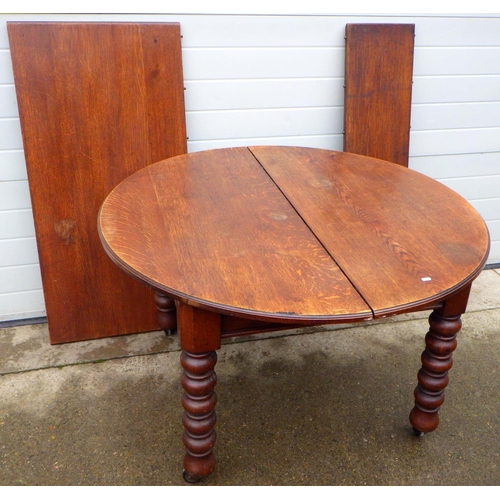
(293, 234)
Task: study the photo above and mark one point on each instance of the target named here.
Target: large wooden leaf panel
(378, 82)
(97, 102)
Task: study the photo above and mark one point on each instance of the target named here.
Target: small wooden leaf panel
(97, 102)
(404, 240)
(378, 82)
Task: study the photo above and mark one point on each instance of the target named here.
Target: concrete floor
(318, 406)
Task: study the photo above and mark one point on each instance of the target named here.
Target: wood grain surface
(402, 238)
(213, 229)
(377, 97)
(97, 102)
(293, 234)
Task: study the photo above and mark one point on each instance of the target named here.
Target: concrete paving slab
(316, 408)
(27, 347)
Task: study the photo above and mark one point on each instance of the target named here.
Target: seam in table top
(312, 232)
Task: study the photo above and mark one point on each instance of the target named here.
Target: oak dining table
(243, 240)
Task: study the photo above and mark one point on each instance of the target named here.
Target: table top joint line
(313, 233)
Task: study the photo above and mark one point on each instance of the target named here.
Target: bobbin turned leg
(440, 342)
(433, 376)
(200, 337)
(166, 313)
(198, 400)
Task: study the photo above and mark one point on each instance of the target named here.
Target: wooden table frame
(201, 333)
(412, 245)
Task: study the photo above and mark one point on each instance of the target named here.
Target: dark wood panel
(378, 82)
(231, 240)
(97, 102)
(403, 239)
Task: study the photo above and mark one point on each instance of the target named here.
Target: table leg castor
(190, 479)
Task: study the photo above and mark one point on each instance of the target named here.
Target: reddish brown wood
(166, 312)
(445, 323)
(378, 81)
(212, 228)
(198, 400)
(433, 376)
(456, 304)
(97, 102)
(245, 239)
(200, 330)
(402, 238)
(233, 326)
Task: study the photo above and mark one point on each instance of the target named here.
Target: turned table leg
(200, 335)
(166, 313)
(440, 341)
(433, 376)
(198, 400)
